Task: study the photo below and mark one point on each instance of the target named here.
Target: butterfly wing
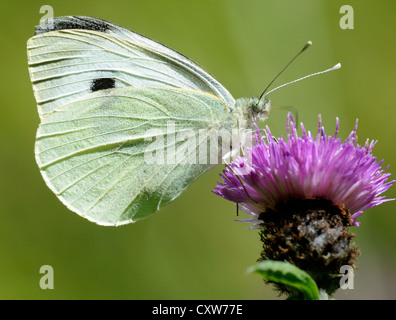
(74, 56)
(94, 153)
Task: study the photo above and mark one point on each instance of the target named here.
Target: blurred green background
(193, 249)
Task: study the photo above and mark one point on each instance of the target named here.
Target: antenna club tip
(307, 45)
(337, 66)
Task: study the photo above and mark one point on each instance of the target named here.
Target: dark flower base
(311, 234)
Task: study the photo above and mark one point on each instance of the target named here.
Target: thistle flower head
(304, 192)
(305, 167)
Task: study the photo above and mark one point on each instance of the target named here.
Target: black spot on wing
(102, 83)
(73, 22)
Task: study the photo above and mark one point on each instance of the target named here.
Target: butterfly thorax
(251, 110)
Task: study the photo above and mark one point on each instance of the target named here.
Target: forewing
(79, 55)
(92, 152)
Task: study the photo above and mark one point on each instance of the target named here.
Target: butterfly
(104, 94)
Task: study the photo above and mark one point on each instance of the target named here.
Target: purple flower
(273, 171)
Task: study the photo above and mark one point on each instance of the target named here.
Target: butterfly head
(259, 108)
(251, 110)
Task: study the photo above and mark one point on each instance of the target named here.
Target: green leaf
(289, 275)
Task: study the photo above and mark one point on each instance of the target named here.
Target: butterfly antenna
(307, 45)
(337, 66)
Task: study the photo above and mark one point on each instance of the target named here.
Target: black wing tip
(72, 22)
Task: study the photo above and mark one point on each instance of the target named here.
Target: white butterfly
(103, 92)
